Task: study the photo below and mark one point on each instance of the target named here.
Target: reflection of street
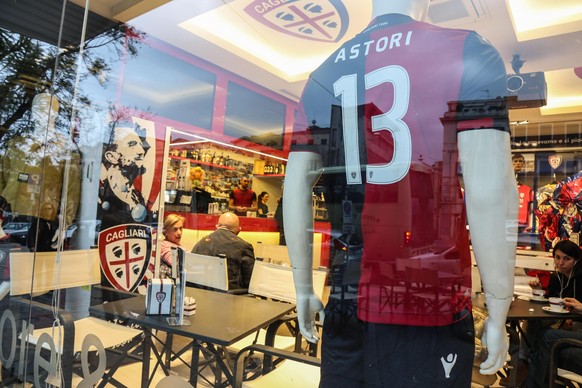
(16, 232)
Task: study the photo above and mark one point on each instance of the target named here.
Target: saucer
(538, 299)
(549, 310)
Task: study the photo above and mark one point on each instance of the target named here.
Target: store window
(112, 125)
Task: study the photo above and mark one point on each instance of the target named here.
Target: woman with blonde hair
(172, 231)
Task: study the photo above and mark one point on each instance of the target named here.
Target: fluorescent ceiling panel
(534, 19)
(268, 37)
(564, 92)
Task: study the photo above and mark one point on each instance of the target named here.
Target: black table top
(220, 318)
(523, 309)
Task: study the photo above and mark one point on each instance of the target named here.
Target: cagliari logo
(124, 253)
(322, 20)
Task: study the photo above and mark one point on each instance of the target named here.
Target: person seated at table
(263, 209)
(565, 282)
(570, 358)
(239, 253)
(172, 231)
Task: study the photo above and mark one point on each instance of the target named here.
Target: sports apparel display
(384, 111)
(526, 197)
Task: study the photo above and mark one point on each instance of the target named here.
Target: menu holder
(177, 318)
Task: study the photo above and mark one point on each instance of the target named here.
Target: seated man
(239, 253)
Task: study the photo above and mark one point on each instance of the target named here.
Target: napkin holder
(159, 296)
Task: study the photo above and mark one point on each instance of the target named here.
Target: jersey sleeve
(484, 84)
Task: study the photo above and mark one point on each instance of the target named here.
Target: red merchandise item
(526, 197)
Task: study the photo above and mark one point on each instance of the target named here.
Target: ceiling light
(206, 140)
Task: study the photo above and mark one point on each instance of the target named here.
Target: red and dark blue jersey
(384, 112)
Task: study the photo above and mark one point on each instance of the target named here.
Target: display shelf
(269, 175)
(203, 163)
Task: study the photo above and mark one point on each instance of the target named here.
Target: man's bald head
(229, 221)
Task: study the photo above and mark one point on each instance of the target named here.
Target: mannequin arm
(492, 206)
(303, 170)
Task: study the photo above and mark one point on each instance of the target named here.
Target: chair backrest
(276, 281)
(276, 254)
(207, 271)
(35, 272)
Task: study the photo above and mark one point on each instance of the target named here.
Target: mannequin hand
(307, 307)
(495, 335)
(497, 343)
(59, 237)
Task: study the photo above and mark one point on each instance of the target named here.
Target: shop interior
(214, 86)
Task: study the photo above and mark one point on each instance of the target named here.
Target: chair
(206, 271)
(275, 282)
(209, 272)
(560, 376)
(36, 273)
(297, 370)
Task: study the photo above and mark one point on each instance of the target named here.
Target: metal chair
(297, 370)
(560, 376)
(32, 274)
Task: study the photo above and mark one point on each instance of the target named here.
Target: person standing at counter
(262, 206)
(243, 199)
(240, 255)
(172, 231)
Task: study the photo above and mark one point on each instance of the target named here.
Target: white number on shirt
(391, 121)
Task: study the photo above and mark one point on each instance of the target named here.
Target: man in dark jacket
(239, 253)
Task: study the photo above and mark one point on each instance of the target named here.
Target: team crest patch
(555, 161)
(323, 20)
(124, 253)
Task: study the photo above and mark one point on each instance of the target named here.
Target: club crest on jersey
(555, 161)
(322, 20)
(124, 254)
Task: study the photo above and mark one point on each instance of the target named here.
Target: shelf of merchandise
(203, 163)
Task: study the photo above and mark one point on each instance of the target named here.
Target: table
(220, 319)
(522, 309)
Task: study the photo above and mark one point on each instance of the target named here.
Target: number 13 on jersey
(391, 121)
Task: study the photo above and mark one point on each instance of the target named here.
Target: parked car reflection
(16, 232)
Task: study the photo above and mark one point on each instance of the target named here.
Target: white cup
(556, 304)
(537, 293)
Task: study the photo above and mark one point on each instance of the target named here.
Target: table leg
(168, 349)
(194, 364)
(145, 370)
(222, 367)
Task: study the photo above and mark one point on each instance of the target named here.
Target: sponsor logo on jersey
(323, 20)
(124, 253)
(448, 364)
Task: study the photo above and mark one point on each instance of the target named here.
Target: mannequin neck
(416, 9)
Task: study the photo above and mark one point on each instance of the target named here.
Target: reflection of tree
(123, 114)
(29, 67)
